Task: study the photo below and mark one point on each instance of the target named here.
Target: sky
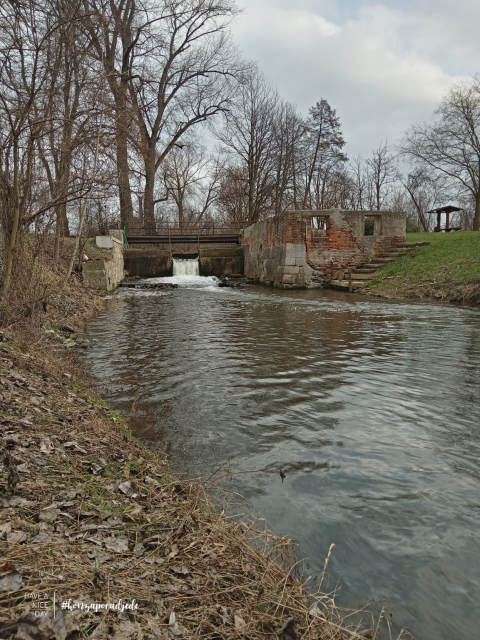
(383, 66)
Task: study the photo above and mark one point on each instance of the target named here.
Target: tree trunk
(476, 219)
(16, 220)
(123, 171)
(148, 202)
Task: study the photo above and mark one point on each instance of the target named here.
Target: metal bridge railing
(174, 229)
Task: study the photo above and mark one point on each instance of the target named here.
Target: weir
(186, 266)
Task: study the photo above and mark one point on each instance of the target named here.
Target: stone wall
(290, 250)
(275, 251)
(106, 273)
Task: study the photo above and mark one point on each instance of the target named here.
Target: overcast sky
(382, 65)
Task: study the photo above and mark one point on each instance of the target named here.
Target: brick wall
(287, 251)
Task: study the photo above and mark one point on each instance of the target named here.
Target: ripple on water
(370, 408)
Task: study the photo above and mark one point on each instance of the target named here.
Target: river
(370, 407)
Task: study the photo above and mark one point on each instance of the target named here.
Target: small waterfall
(186, 267)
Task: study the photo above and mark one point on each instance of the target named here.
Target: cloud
(381, 67)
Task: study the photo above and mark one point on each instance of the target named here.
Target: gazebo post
(447, 224)
(439, 221)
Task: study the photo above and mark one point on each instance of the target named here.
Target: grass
(447, 269)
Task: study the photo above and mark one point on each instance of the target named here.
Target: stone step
(412, 244)
(363, 276)
(391, 254)
(343, 284)
(383, 261)
(365, 269)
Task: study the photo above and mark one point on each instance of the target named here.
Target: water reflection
(370, 408)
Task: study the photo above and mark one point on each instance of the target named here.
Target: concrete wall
(221, 262)
(288, 251)
(106, 273)
(148, 263)
(158, 263)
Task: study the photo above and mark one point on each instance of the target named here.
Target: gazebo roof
(447, 209)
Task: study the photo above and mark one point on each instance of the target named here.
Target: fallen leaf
(11, 582)
(73, 444)
(246, 567)
(120, 544)
(316, 612)
(100, 555)
(43, 516)
(42, 537)
(151, 481)
(95, 469)
(45, 628)
(225, 615)
(240, 624)
(20, 502)
(5, 528)
(46, 446)
(125, 487)
(181, 569)
(126, 630)
(8, 566)
(173, 552)
(16, 536)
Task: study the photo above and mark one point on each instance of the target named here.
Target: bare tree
(425, 190)
(357, 172)
(451, 145)
(169, 66)
(288, 130)
(247, 136)
(233, 194)
(25, 28)
(382, 175)
(67, 107)
(191, 179)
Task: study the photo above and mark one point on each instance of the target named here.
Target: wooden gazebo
(447, 211)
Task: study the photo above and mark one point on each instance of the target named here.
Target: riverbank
(446, 270)
(91, 517)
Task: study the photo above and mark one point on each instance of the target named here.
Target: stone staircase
(368, 270)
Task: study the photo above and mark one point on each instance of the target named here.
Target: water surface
(369, 407)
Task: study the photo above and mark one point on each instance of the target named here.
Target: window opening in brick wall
(319, 223)
(369, 228)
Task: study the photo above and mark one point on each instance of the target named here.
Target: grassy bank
(447, 269)
(91, 517)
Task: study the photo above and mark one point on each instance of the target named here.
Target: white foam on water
(186, 274)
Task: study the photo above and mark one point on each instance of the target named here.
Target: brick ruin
(306, 248)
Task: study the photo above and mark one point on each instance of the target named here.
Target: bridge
(174, 234)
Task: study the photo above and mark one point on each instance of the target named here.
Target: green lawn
(448, 268)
